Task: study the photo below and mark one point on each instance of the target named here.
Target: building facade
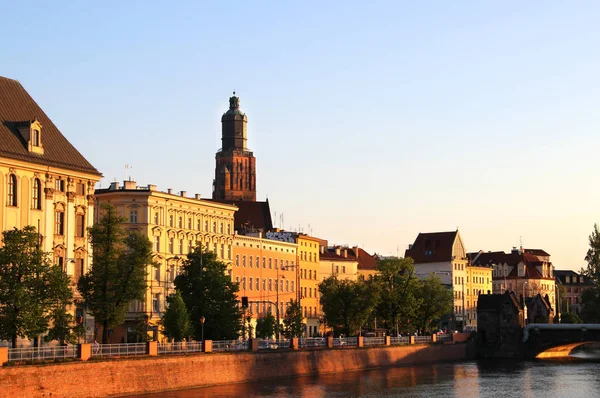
(574, 285)
(175, 224)
(337, 261)
(46, 183)
(479, 281)
(526, 272)
(235, 171)
(267, 273)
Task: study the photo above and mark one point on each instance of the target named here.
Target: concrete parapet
(207, 346)
(388, 340)
(294, 345)
(434, 338)
(152, 348)
(360, 341)
(3, 355)
(411, 340)
(84, 351)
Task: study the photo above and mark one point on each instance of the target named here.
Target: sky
(370, 121)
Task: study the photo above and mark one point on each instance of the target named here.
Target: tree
(176, 320)
(435, 301)
(266, 327)
(292, 321)
(208, 292)
(347, 304)
(32, 289)
(118, 272)
(397, 286)
(569, 317)
(590, 299)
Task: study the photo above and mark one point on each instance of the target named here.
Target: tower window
(37, 194)
(59, 223)
(80, 225)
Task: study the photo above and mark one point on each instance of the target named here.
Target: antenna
(127, 168)
(521, 242)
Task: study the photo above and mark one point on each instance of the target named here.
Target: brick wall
(143, 375)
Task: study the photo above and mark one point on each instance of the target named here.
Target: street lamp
(202, 319)
(524, 304)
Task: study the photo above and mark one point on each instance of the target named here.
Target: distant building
(539, 309)
(525, 272)
(367, 263)
(575, 284)
(175, 224)
(500, 319)
(45, 183)
(443, 254)
(339, 261)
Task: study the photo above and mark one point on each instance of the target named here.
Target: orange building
(267, 273)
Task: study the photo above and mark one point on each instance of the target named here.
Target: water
(570, 378)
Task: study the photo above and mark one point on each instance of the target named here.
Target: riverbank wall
(122, 377)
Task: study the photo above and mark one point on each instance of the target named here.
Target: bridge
(542, 340)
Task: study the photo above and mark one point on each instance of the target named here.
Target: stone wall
(154, 374)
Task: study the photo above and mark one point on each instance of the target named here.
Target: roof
(331, 255)
(251, 215)
(432, 247)
(18, 107)
(512, 259)
(366, 261)
(537, 252)
(530, 301)
(496, 301)
(561, 276)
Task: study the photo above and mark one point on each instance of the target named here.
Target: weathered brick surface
(153, 374)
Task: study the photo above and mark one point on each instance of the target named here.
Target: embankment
(155, 374)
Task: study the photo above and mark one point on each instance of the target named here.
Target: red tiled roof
(330, 254)
(511, 259)
(18, 107)
(366, 261)
(251, 215)
(537, 252)
(432, 247)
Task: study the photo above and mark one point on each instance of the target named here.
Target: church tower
(235, 172)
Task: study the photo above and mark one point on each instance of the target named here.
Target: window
(80, 225)
(189, 223)
(78, 272)
(214, 226)
(157, 273)
(249, 261)
(237, 260)
(157, 243)
(250, 284)
(80, 188)
(229, 252)
(170, 220)
(264, 262)
(190, 246)
(156, 303)
(198, 225)
(133, 216)
(287, 286)
(221, 228)
(206, 225)
(60, 185)
(281, 286)
(35, 137)
(37, 194)
(293, 286)
(156, 218)
(343, 269)
(270, 285)
(180, 246)
(222, 250)
(180, 222)
(244, 261)
(270, 263)
(244, 283)
(171, 273)
(264, 288)
(228, 229)
(59, 223)
(12, 190)
(171, 245)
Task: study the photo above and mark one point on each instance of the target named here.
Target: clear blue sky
(371, 121)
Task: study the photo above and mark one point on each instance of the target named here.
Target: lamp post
(524, 304)
(202, 319)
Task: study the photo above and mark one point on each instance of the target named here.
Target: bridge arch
(557, 340)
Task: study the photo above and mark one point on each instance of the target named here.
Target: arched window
(12, 190)
(37, 194)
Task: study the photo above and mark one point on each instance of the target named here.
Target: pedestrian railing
(41, 353)
(399, 340)
(422, 339)
(344, 341)
(179, 348)
(229, 345)
(119, 350)
(444, 337)
(313, 342)
(369, 341)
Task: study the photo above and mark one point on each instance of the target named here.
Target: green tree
(118, 272)
(266, 327)
(569, 317)
(208, 292)
(176, 320)
(32, 289)
(292, 321)
(397, 286)
(590, 299)
(346, 304)
(434, 301)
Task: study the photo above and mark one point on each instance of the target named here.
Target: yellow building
(267, 273)
(339, 261)
(175, 224)
(479, 281)
(308, 248)
(45, 182)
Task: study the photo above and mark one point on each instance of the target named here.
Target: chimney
(322, 249)
(151, 187)
(355, 248)
(128, 184)
(183, 193)
(338, 250)
(197, 196)
(114, 186)
(345, 253)
(170, 191)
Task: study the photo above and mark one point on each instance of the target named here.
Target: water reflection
(471, 379)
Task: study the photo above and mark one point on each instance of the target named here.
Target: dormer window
(34, 138)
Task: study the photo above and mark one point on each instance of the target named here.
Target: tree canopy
(434, 301)
(33, 291)
(118, 272)
(266, 327)
(590, 299)
(176, 320)
(208, 292)
(292, 321)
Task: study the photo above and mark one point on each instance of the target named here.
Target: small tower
(235, 171)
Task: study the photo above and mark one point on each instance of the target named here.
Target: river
(503, 379)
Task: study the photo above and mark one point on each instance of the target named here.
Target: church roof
(251, 215)
(18, 107)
